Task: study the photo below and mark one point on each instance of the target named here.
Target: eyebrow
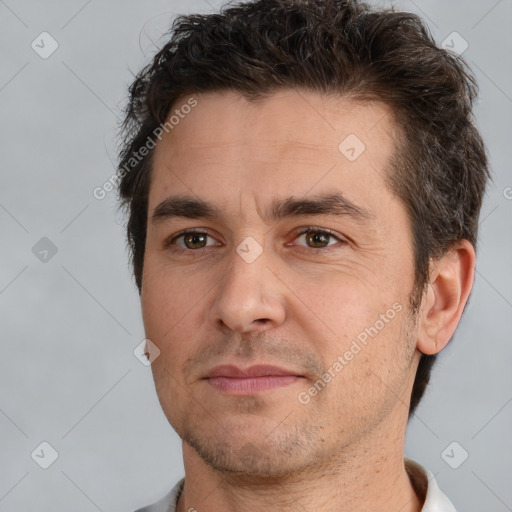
(327, 204)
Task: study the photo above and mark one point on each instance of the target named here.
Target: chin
(250, 452)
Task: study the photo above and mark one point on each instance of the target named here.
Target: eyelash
(170, 243)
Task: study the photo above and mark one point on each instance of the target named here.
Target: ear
(450, 283)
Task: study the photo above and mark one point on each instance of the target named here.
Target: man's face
(251, 289)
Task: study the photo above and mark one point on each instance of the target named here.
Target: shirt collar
(426, 488)
(422, 479)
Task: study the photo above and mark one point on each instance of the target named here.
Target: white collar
(426, 487)
(422, 480)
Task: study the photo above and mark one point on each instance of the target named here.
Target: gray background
(68, 374)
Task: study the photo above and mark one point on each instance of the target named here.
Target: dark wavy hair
(343, 47)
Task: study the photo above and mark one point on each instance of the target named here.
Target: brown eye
(190, 241)
(195, 240)
(318, 238)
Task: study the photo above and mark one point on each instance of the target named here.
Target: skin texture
(299, 305)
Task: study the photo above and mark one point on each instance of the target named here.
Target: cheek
(171, 311)
(356, 324)
(344, 301)
(167, 292)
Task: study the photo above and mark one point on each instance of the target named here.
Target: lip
(254, 379)
(257, 370)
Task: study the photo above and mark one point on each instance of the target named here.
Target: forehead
(227, 116)
(293, 141)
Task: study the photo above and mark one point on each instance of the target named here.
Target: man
(303, 181)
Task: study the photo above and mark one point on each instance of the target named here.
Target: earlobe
(451, 280)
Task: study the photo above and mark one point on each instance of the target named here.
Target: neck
(368, 475)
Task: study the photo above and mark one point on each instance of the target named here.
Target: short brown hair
(343, 47)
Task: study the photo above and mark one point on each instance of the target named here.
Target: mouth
(233, 380)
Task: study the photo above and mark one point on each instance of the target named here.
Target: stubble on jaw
(243, 460)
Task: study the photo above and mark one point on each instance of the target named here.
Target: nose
(249, 298)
